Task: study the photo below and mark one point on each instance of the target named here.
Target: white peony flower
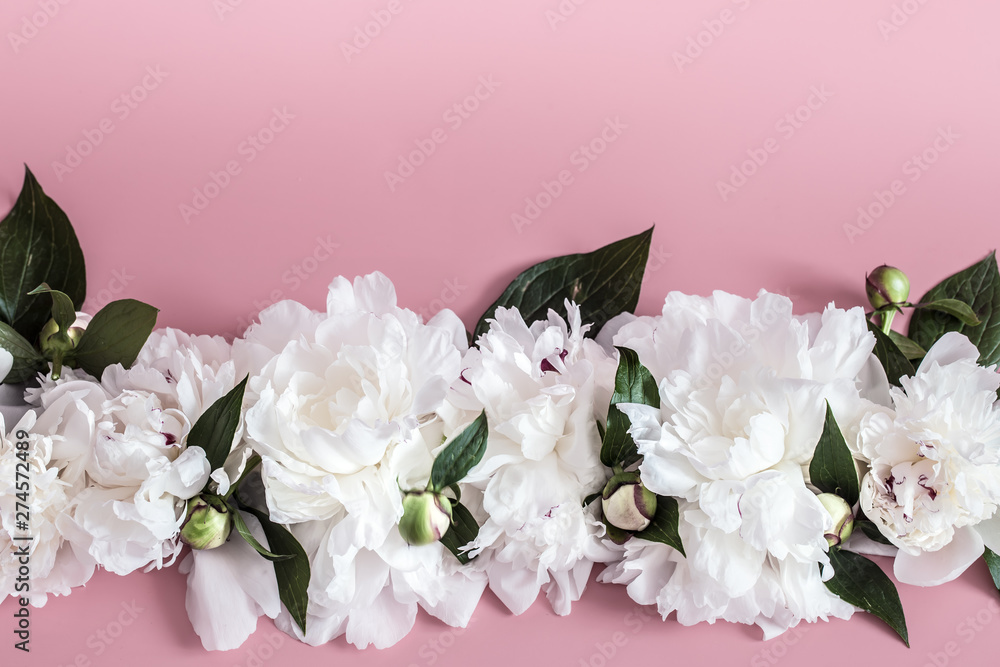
(743, 385)
(346, 414)
(543, 387)
(6, 363)
(140, 469)
(34, 486)
(934, 484)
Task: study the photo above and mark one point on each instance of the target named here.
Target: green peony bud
(887, 285)
(207, 524)
(843, 518)
(50, 340)
(627, 504)
(426, 517)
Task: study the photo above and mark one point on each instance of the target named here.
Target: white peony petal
(932, 568)
(989, 530)
(6, 363)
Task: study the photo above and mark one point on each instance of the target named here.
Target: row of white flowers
(347, 407)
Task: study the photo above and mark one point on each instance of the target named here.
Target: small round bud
(627, 504)
(426, 517)
(843, 518)
(207, 524)
(886, 286)
(50, 340)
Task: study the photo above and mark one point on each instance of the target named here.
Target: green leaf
(664, 528)
(292, 573)
(955, 308)
(591, 498)
(461, 455)
(63, 311)
(978, 286)
(603, 283)
(910, 350)
(832, 469)
(993, 562)
(860, 582)
(244, 531)
(37, 244)
(871, 531)
(463, 530)
(115, 336)
(215, 430)
(633, 384)
(893, 360)
(27, 360)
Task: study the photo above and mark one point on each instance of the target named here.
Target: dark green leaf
(664, 528)
(591, 498)
(910, 350)
(37, 244)
(27, 360)
(293, 573)
(893, 360)
(244, 531)
(463, 530)
(955, 308)
(215, 430)
(461, 455)
(832, 469)
(63, 311)
(860, 582)
(633, 384)
(978, 286)
(115, 336)
(871, 531)
(603, 283)
(993, 562)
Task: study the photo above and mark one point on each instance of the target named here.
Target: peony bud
(887, 285)
(50, 340)
(843, 518)
(207, 524)
(627, 504)
(426, 517)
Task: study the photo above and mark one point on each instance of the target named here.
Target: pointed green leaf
(27, 360)
(665, 526)
(633, 384)
(832, 469)
(955, 308)
(871, 531)
(292, 573)
(910, 350)
(37, 244)
(62, 306)
(461, 455)
(893, 360)
(860, 582)
(115, 336)
(993, 562)
(463, 530)
(603, 283)
(244, 531)
(978, 286)
(215, 430)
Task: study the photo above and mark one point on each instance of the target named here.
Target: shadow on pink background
(217, 155)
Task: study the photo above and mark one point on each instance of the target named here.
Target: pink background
(886, 80)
